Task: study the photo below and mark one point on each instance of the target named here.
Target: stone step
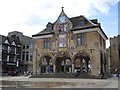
(63, 75)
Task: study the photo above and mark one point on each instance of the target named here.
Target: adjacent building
(71, 45)
(27, 49)
(10, 53)
(115, 53)
(16, 52)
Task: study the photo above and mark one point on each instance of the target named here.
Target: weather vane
(62, 8)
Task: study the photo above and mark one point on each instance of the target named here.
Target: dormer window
(81, 23)
(49, 28)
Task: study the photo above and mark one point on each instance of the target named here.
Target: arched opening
(82, 63)
(63, 64)
(46, 64)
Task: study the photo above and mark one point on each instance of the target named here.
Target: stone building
(115, 53)
(71, 45)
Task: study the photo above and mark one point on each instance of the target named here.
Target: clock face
(62, 19)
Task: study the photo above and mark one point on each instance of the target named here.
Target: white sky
(31, 16)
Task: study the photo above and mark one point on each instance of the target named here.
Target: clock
(62, 19)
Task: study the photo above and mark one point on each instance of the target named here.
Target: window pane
(23, 56)
(80, 39)
(23, 46)
(27, 56)
(27, 46)
(31, 56)
(46, 43)
(49, 28)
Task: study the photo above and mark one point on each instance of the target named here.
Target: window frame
(46, 43)
(81, 36)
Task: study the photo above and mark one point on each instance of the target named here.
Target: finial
(62, 8)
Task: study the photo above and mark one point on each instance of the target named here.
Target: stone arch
(46, 63)
(81, 54)
(82, 62)
(62, 54)
(47, 54)
(63, 62)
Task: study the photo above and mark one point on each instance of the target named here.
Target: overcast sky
(31, 16)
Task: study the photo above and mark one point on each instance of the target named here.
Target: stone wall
(92, 48)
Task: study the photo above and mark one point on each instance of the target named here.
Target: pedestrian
(117, 73)
(102, 75)
(8, 73)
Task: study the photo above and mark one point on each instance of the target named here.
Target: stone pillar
(38, 66)
(60, 67)
(69, 69)
(54, 68)
(39, 69)
(47, 69)
(73, 68)
(86, 67)
(34, 63)
(95, 63)
(81, 66)
(65, 66)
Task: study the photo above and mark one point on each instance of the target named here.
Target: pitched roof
(74, 20)
(43, 32)
(2, 39)
(16, 39)
(77, 25)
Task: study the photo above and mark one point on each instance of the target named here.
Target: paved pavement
(26, 82)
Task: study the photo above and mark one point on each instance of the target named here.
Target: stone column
(39, 69)
(81, 66)
(34, 63)
(60, 67)
(95, 63)
(65, 66)
(54, 68)
(38, 66)
(73, 68)
(47, 69)
(86, 67)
